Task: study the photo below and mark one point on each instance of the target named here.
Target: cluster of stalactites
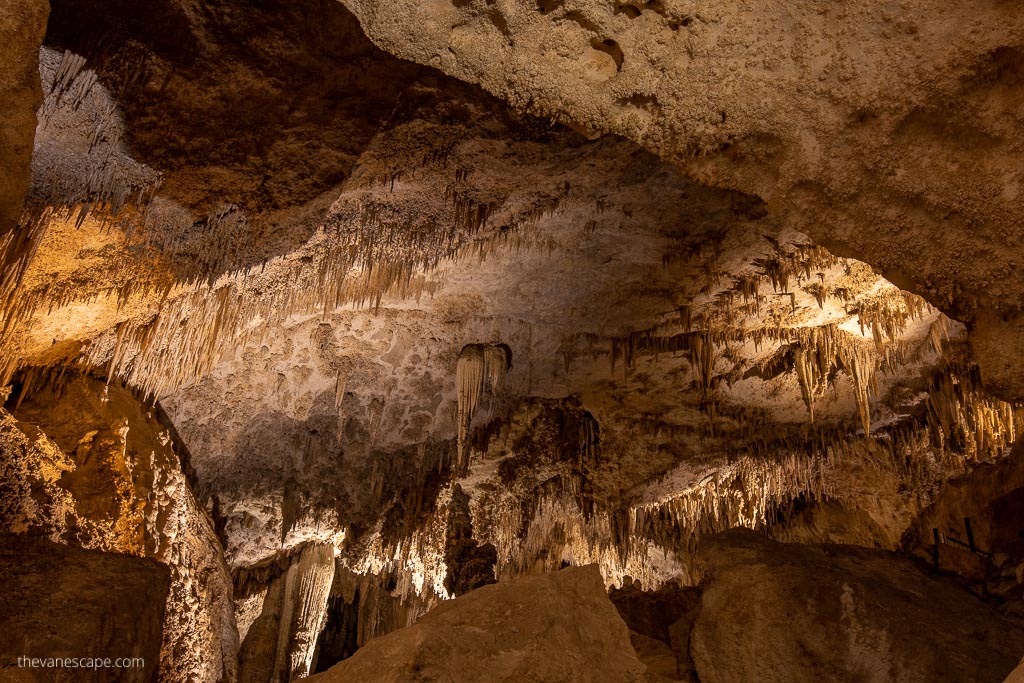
(480, 366)
(749, 492)
(558, 531)
(366, 250)
(963, 417)
(369, 247)
(78, 183)
(822, 351)
(819, 351)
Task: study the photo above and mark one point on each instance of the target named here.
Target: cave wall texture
(22, 32)
(345, 311)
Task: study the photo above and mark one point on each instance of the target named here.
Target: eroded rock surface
(21, 34)
(417, 337)
(88, 466)
(887, 133)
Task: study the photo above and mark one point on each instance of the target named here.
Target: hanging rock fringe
(479, 366)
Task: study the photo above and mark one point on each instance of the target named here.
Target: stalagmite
(298, 316)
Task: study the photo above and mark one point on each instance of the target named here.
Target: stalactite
(702, 357)
(69, 87)
(806, 372)
(860, 365)
(887, 315)
(313, 575)
(339, 391)
(963, 417)
(479, 366)
(281, 642)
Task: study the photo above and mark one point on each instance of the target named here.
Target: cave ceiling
(293, 239)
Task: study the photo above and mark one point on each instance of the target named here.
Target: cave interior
(502, 340)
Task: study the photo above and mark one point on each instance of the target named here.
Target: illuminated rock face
(22, 31)
(280, 643)
(414, 340)
(85, 465)
(555, 627)
(886, 134)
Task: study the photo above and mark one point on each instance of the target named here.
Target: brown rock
(962, 561)
(549, 627)
(1017, 675)
(660, 622)
(656, 656)
(22, 24)
(990, 496)
(58, 601)
(889, 134)
(778, 612)
(91, 467)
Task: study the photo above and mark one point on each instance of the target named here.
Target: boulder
(548, 627)
(781, 612)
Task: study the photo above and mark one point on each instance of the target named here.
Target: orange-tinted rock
(543, 628)
(58, 601)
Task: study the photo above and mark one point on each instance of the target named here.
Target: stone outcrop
(790, 612)
(544, 628)
(660, 623)
(59, 601)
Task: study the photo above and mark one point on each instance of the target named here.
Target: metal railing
(947, 539)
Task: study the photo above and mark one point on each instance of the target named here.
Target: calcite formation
(888, 133)
(346, 311)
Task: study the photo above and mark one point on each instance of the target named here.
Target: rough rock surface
(888, 133)
(549, 627)
(21, 33)
(990, 497)
(789, 612)
(59, 601)
(659, 624)
(281, 642)
(417, 339)
(89, 466)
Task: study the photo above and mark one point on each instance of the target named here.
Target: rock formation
(22, 30)
(887, 134)
(554, 627)
(803, 613)
(90, 467)
(109, 608)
